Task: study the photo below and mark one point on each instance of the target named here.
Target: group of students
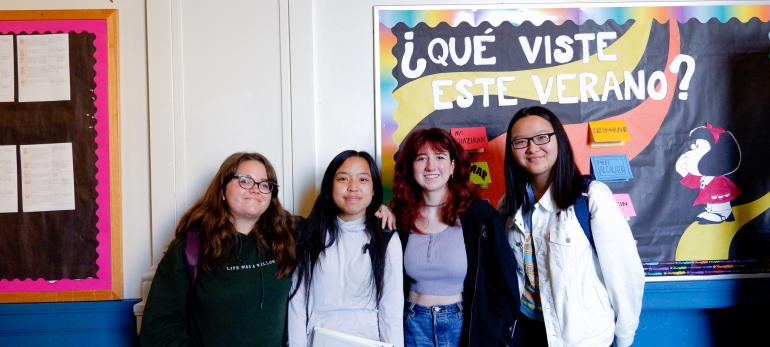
(242, 271)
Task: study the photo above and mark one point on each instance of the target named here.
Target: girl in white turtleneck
(349, 272)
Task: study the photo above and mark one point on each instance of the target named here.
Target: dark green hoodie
(241, 303)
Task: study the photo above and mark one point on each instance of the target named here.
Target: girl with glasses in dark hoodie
(244, 243)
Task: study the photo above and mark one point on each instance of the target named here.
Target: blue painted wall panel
(682, 314)
(98, 323)
(681, 328)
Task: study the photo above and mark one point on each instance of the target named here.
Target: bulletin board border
(114, 286)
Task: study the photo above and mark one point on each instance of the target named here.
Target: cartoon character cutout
(714, 153)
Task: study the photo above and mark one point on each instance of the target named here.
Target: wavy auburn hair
(210, 215)
(407, 194)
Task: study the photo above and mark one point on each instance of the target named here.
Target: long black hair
(566, 182)
(321, 230)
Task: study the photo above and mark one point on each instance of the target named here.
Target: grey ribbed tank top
(437, 262)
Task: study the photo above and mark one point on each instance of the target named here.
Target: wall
(96, 323)
(256, 93)
(215, 84)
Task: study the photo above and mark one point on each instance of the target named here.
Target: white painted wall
(215, 88)
(226, 77)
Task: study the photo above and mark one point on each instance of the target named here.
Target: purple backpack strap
(192, 248)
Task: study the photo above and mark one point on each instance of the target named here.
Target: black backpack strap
(192, 248)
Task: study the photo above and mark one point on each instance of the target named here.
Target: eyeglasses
(264, 187)
(523, 142)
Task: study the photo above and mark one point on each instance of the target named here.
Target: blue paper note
(611, 168)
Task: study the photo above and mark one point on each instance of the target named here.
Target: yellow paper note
(609, 133)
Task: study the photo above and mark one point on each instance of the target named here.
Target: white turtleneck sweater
(343, 295)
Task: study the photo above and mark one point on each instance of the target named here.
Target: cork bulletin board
(62, 239)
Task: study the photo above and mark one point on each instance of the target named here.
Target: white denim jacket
(587, 300)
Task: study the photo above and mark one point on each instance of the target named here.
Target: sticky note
(626, 205)
(609, 133)
(471, 138)
(480, 174)
(611, 168)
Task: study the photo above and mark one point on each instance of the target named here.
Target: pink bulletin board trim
(103, 237)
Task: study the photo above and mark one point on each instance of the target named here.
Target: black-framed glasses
(246, 182)
(540, 139)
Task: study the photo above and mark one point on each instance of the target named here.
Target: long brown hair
(407, 194)
(210, 215)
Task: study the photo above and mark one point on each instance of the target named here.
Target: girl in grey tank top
(437, 262)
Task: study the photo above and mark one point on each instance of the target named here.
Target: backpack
(584, 214)
(192, 248)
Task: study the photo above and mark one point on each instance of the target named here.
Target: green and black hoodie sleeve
(165, 315)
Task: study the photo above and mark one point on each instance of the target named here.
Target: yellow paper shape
(609, 132)
(480, 174)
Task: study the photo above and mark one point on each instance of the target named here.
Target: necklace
(436, 205)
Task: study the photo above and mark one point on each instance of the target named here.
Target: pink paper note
(625, 204)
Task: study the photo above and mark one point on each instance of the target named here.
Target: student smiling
(573, 293)
(348, 275)
(458, 281)
(238, 298)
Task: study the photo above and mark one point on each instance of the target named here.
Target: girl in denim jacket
(571, 294)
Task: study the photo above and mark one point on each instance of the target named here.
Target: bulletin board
(60, 240)
(679, 78)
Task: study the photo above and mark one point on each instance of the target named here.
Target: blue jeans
(433, 326)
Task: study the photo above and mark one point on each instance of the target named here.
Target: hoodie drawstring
(240, 245)
(261, 288)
